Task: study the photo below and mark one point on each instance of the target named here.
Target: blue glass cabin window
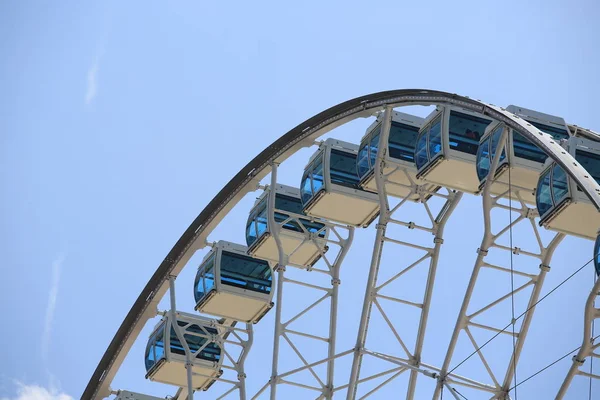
(597, 255)
(401, 146)
(552, 189)
(555, 132)
(589, 161)
(402, 141)
(212, 352)
(543, 196)
(523, 148)
(342, 169)
(429, 143)
(155, 350)
(284, 203)
(365, 161)
(487, 152)
(465, 131)
(205, 278)
(312, 179)
(245, 272)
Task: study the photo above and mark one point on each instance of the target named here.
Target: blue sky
(120, 121)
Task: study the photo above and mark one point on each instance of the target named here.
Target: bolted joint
(241, 376)
(531, 213)
(545, 268)
(411, 225)
(516, 251)
(577, 360)
(279, 268)
(438, 240)
(380, 226)
(335, 282)
(482, 252)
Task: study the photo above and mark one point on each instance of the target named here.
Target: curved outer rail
(248, 178)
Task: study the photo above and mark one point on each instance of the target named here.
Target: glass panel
(342, 169)
(523, 148)
(483, 160)
(245, 272)
(560, 190)
(557, 133)
(402, 141)
(156, 348)
(205, 279)
(465, 132)
(435, 139)
(211, 352)
(317, 175)
(293, 204)
(495, 141)
(543, 197)
(373, 148)
(597, 255)
(362, 162)
(589, 161)
(421, 157)
(251, 230)
(305, 187)
(261, 220)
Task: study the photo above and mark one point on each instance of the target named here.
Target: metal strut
(412, 359)
(228, 335)
(589, 344)
(282, 331)
(465, 321)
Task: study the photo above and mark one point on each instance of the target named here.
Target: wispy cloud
(35, 392)
(52, 296)
(92, 81)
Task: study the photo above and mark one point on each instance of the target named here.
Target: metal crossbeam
(429, 259)
(464, 322)
(589, 343)
(282, 332)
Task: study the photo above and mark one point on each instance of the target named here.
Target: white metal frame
(304, 236)
(412, 357)
(248, 179)
(499, 388)
(281, 330)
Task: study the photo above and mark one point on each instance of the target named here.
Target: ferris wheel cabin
(231, 284)
(562, 205)
(400, 169)
(297, 230)
(447, 146)
(165, 356)
(525, 160)
(330, 186)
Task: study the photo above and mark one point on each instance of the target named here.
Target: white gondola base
(175, 373)
(523, 180)
(452, 173)
(578, 219)
(235, 303)
(347, 206)
(399, 182)
(300, 251)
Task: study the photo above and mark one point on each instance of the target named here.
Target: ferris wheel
(534, 173)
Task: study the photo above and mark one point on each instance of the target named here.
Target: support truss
(333, 249)
(410, 360)
(589, 345)
(500, 378)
